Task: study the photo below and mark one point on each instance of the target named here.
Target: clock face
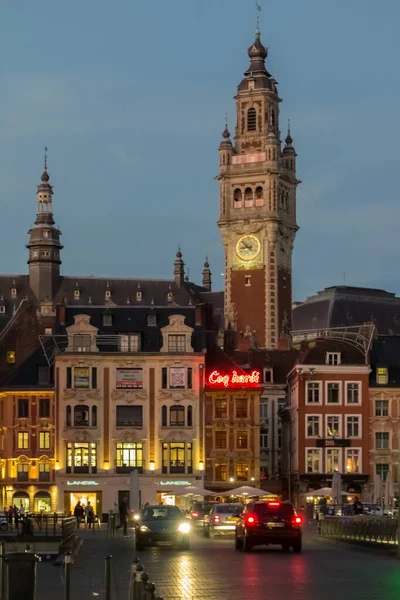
(248, 247)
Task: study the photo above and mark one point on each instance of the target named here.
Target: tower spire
(45, 157)
(179, 268)
(206, 280)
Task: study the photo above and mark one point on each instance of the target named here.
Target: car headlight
(184, 528)
(144, 528)
(136, 517)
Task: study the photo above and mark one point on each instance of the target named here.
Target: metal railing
(375, 530)
(53, 526)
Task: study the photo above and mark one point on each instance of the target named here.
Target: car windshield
(267, 510)
(203, 506)
(161, 513)
(228, 508)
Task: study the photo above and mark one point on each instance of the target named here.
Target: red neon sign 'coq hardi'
(234, 379)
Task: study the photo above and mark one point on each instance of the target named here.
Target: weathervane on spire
(258, 7)
(45, 157)
(226, 120)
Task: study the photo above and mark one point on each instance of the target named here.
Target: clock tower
(257, 221)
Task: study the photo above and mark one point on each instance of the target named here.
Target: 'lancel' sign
(82, 483)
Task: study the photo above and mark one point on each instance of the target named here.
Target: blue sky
(130, 98)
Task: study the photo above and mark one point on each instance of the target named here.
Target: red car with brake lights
(199, 512)
(265, 523)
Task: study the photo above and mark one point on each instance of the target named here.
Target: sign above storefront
(174, 483)
(82, 483)
(333, 443)
(234, 379)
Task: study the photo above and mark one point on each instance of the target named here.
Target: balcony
(129, 466)
(44, 476)
(177, 469)
(83, 470)
(121, 423)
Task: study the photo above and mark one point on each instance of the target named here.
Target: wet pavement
(212, 569)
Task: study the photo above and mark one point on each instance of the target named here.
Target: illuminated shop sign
(82, 483)
(234, 379)
(174, 483)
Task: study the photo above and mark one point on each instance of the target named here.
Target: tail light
(216, 518)
(195, 515)
(251, 519)
(296, 520)
(274, 504)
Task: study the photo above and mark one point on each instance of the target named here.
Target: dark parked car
(264, 523)
(162, 526)
(199, 511)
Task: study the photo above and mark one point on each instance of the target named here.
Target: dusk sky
(130, 97)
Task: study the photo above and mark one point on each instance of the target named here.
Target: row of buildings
(103, 376)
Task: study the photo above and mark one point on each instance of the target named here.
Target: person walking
(89, 514)
(357, 507)
(78, 513)
(123, 516)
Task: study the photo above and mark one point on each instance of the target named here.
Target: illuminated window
(23, 440)
(241, 408)
(241, 440)
(313, 425)
(353, 393)
(221, 472)
(353, 460)
(382, 440)
(10, 354)
(220, 440)
(177, 457)
(129, 455)
(313, 457)
(242, 472)
(23, 472)
(332, 460)
(382, 376)
(221, 409)
(251, 119)
(81, 457)
(44, 471)
(130, 343)
(333, 426)
(44, 440)
(176, 343)
(382, 408)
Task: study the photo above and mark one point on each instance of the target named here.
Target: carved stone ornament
(177, 396)
(177, 325)
(81, 395)
(82, 436)
(242, 454)
(247, 227)
(128, 435)
(177, 436)
(220, 425)
(128, 396)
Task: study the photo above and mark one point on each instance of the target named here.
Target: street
(212, 569)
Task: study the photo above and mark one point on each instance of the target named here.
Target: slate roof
(7, 283)
(26, 375)
(385, 352)
(344, 306)
(315, 354)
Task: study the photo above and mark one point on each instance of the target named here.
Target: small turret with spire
(289, 153)
(179, 269)
(225, 147)
(206, 280)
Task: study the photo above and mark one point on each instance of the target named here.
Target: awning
(245, 490)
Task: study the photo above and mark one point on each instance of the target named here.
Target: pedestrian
(357, 507)
(123, 516)
(16, 516)
(89, 514)
(78, 513)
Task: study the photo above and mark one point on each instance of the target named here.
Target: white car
(377, 511)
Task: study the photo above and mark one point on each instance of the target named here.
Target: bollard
(21, 576)
(137, 583)
(134, 566)
(149, 591)
(67, 561)
(2, 571)
(107, 578)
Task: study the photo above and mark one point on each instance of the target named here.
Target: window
(107, 319)
(76, 294)
(2, 309)
(23, 440)
(241, 408)
(313, 393)
(353, 426)
(81, 416)
(221, 408)
(268, 375)
(43, 375)
(176, 343)
(151, 320)
(81, 377)
(94, 416)
(353, 393)
(382, 440)
(382, 408)
(221, 472)
(48, 331)
(220, 440)
(333, 393)
(129, 456)
(251, 119)
(177, 416)
(263, 438)
(263, 411)
(332, 358)
(68, 416)
(45, 233)
(44, 471)
(333, 428)
(68, 376)
(190, 378)
(129, 416)
(81, 343)
(313, 460)
(44, 440)
(177, 457)
(190, 416)
(129, 379)
(382, 469)
(353, 460)
(242, 472)
(44, 408)
(23, 472)
(23, 408)
(241, 440)
(81, 457)
(313, 425)
(332, 460)
(129, 343)
(382, 375)
(94, 378)
(164, 416)
(247, 280)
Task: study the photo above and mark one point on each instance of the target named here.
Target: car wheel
(285, 547)
(238, 543)
(3, 527)
(206, 532)
(297, 546)
(246, 546)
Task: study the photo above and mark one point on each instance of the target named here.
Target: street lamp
(152, 465)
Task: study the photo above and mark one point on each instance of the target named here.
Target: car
(3, 523)
(222, 519)
(269, 522)
(376, 511)
(199, 511)
(162, 525)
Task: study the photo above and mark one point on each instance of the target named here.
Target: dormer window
(107, 320)
(268, 375)
(139, 296)
(332, 358)
(382, 376)
(151, 320)
(170, 296)
(107, 295)
(176, 343)
(77, 294)
(13, 292)
(2, 310)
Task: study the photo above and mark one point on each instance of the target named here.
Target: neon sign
(234, 379)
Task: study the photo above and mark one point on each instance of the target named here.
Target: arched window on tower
(251, 119)
(248, 197)
(273, 118)
(259, 196)
(237, 198)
